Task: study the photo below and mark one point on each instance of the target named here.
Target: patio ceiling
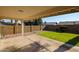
(34, 12)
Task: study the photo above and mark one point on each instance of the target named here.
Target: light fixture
(20, 11)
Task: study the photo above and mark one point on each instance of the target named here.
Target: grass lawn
(63, 37)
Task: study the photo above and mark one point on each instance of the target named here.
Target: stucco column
(22, 28)
(40, 27)
(0, 33)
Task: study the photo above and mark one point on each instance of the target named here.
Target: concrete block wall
(70, 28)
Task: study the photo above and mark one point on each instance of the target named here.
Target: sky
(8, 20)
(62, 18)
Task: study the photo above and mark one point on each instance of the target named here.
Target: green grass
(63, 37)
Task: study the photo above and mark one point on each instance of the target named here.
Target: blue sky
(61, 18)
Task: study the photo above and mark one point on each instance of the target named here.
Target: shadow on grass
(71, 42)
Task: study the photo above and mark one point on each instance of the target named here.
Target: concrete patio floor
(34, 43)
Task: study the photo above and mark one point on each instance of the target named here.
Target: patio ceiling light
(20, 11)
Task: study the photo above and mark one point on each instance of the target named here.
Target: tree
(37, 22)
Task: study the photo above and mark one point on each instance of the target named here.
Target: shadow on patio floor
(33, 47)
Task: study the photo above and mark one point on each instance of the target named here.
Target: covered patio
(30, 13)
(30, 41)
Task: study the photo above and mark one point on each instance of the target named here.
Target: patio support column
(30, 27)
(22, 28)
(40, 27)
(0, 32)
